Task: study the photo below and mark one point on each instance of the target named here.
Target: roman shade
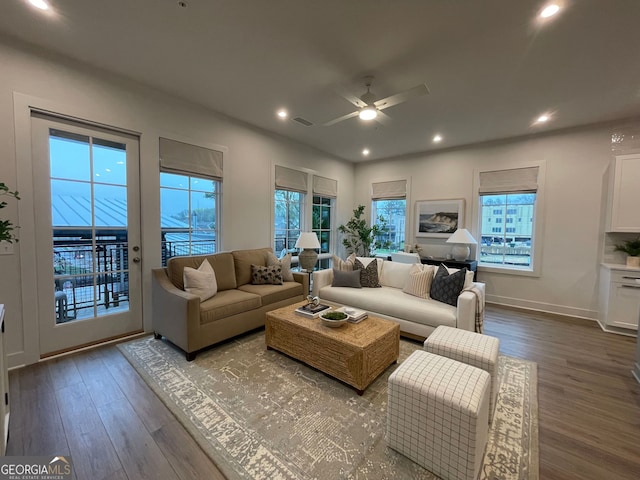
(509, 181)
(325, 187)
(290, 179)
(385, 190)
(179, 157)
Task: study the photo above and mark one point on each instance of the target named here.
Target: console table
(469, 264)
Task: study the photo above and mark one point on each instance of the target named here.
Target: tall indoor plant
(362, 239)
(6, 227)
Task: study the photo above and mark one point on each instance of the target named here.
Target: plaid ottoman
(437, 414)
(471, 348)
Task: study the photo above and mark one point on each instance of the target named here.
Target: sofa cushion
(274, 293)
(344, 265)
(200, 282)
(227, 303)
(271, 275)
(446, 288)
(284, 262)
(350, 279)
(222, 264)
(395, 274)
(393, 303)
(419, 281)
(244, 259)
(368, 274)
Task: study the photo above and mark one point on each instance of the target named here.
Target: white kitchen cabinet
(623, 214)
(4, 384)
(619, 298)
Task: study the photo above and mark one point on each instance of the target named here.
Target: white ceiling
(492, 68)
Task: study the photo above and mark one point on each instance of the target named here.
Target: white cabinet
(623, 214)
(4, 384)
(619, 298)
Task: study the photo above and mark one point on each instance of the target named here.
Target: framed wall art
(439, 218)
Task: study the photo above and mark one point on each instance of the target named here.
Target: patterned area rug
(262, 415)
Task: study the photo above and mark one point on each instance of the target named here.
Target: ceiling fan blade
(402, 96)
(383, 118)
(340, 119)
(350, 97)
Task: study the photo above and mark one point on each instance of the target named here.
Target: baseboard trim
(562, 310)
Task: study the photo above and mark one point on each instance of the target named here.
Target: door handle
(136, 259)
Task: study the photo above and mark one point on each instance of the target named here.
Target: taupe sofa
(238, 307)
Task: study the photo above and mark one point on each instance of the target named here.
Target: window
(288, 219)
(514, 192)
(189, 207)
(322, 225)
(393, 213)
(497, 212)
(190, 193)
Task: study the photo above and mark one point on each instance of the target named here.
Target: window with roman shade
(389, 207)
(507, 205)
(325, 191)
(190, 195)
(291, 187)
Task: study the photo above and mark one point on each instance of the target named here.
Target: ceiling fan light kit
(368, 113)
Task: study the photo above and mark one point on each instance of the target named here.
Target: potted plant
(362, 239)
(6, 227)
(632, 249)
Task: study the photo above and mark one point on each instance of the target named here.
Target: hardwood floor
(95, 407)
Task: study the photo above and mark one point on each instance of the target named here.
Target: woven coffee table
(355, 353)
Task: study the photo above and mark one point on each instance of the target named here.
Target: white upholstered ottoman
(471, 348)
(437, 414)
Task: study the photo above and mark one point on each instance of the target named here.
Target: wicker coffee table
(355, 353)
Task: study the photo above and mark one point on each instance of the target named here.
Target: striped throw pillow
(419, 282)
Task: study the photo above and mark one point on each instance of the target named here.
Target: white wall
(73, 89)
(572, 234)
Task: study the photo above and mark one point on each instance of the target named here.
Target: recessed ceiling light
(545, 117)
(365, 152)
(549, 11)
(41, 4)
(282, 113)
(437, 138)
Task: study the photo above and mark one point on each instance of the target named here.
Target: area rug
(262, 415)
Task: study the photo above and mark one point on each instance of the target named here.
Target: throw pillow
(446, 288)
(344, 265)
(201, 282)
(346, 279)
(271, 275)
(419, 281)
(368, 274)
(285, 264)
(468, 281)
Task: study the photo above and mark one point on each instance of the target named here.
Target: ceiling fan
(371, 109)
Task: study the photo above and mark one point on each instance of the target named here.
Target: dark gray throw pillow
(368, 275)
(271, 275)
(346, 279)
(446, 288)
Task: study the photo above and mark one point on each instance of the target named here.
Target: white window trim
(538, 224)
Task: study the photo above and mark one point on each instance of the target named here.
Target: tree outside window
(393, 211)
(288, 220)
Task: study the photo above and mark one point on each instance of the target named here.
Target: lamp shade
(308, 240)
(463, 237)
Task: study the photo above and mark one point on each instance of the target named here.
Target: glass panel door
(88, 179)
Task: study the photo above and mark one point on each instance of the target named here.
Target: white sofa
(416, 316)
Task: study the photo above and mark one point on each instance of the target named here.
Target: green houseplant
(6, 227)
(632, 249)
(362, 239)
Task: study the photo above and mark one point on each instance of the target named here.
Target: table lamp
(461, 239)
(308, 241)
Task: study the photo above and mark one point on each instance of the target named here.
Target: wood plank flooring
(94, 406)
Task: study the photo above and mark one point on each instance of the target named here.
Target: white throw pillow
(395, 274)
(344, 265)
(468, 279)
(201, 282)
(285, 264)
(419, 281)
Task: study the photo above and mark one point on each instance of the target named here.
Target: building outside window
(393, 211)
(189, 207)
(513, 247)
(322, 225)
(288, 219)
